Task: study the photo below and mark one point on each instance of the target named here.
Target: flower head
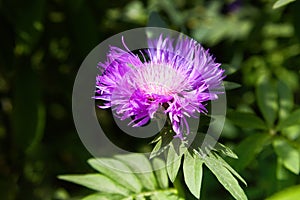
(178, 76)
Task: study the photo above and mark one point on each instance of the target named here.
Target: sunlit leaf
(140, 165)
(192, 171)
(160, 172)
(117, 171)
(281, 3)
(291, 193)
(228, 28)
(175, 153)
(167, 195)
(288, 154)
(292, 132)
(225, 177)
(162, 142)
(225, 150)
(235, 173)
(207, 143)
(96, 182)
(282, 173)
(292, 119)
(134, 11)
(157, 149)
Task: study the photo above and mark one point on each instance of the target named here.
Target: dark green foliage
(43, 43)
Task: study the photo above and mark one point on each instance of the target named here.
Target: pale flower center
(160, 79)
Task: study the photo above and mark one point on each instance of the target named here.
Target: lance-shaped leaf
(96, 182)
(229, 69)
(292, 119)
(281, 3)
(160, 172)
(162, 142)
(175, 153)
(288, 154)
(249, 148)
(230, 85)
(208, 143)
(140, 165)
(246, 120)
(118, 171)
(224, 176)
(285, 99)
(266, 95)
(192, 171)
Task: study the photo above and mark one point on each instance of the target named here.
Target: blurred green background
(43, 43)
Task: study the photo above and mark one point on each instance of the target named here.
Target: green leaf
(282, 173)
(160, 172)
(156, 21)
(207, 143)
(175, 153)
(249, 148)
(159, 195)
(175, 16)
(164, 195)
(292, 133)
(266, 95)
(286, 101)
(288, 154)
(103, 196)
(96, 182)
(192, 171)
(162, 142)
(222, 162)
(230, 85)
(117, 171)
(291, 193)
(292, 119)
(157, 149)
(229, 69)
(139, 164)
(246, 120)
(225, 150)
(224, 176)
(281, 3)
(137, 197)
(225, 164)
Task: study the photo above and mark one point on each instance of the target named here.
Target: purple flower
(176, 76)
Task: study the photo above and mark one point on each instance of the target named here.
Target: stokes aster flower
(176, 76)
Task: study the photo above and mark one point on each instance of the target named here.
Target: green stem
(150, 193)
